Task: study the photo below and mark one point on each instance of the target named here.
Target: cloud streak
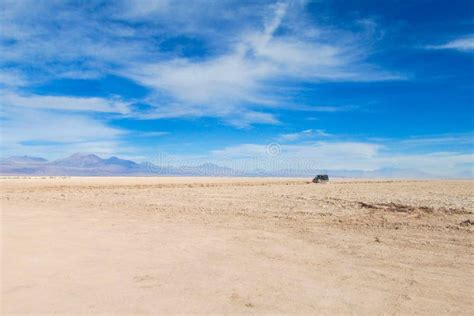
(244, 79)
(243, 64)
(64, 103)
(463, 44)
(306, 134)
(347, 155)
(236, 80)
(22, 129)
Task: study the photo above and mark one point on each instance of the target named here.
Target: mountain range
(92, 165)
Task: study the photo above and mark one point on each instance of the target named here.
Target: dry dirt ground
(236, 246)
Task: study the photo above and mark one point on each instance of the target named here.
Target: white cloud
(33, 129)
(464, 44)
(52, 126)
(55, 39)
(12, 78)
(242, 79)
(88, 104)
(437, 140)
(224, 85)
(234, 80)
(327, 108)
(341, 155)
(336, 152)
(247, 118)
(139, 9)
(309, 133)
(33, 125)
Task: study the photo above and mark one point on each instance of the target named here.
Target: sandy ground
(233, 246)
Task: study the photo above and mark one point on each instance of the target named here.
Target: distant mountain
(79, 160)
(93, 161)
(77, 164)
(120, 162)
(20, 165)
(89, 164)
(80, 164)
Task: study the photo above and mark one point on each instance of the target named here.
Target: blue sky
(336, 84)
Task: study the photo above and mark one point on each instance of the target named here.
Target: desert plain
(235, 246)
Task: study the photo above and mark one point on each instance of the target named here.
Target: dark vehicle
(321, 178)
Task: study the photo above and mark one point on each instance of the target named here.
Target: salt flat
(236, 245)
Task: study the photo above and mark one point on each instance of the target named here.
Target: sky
(346, 85)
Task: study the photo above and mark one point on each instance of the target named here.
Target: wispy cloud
(306, 134)
(345, 155)
(250, 52)
(54, 125)
(463, 44)
(242, 79)
(444, 139)
(27, 126)
(241, 62)
(64, 103)
(326, 108)
(12, 79)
